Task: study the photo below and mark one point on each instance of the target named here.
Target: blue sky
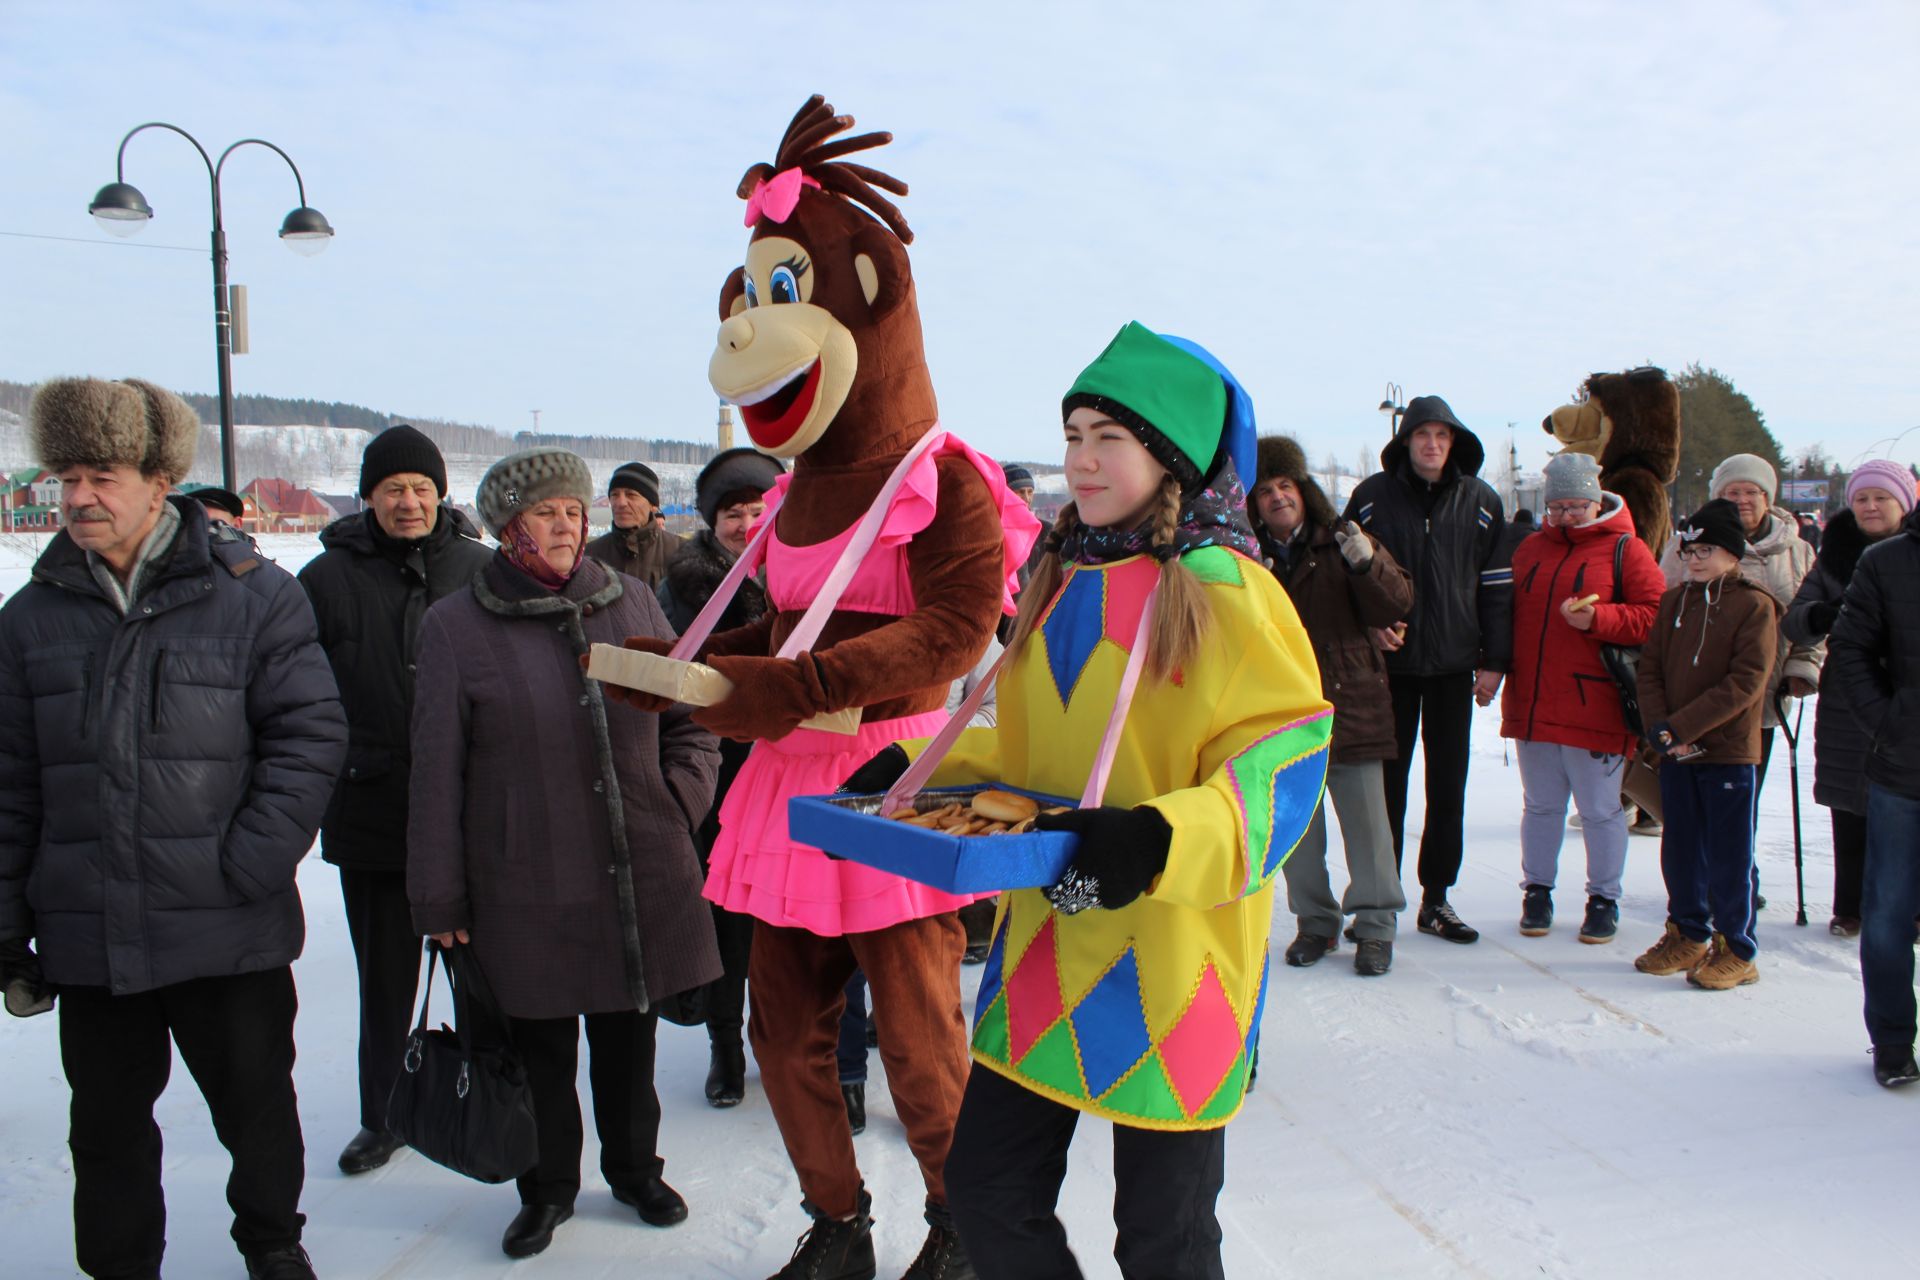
(535, 202)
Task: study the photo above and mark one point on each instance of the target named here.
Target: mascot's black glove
(1121, 852)
(26, 990)
(877, 774)
(1821, 615)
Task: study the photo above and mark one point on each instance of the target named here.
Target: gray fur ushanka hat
(526, 479)
(90, 422)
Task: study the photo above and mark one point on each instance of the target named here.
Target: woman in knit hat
(1156, 934)
(552, 829)
(1583, 581)
(1880, 496)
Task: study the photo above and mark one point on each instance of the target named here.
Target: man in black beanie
(380, 570)
(636, 545)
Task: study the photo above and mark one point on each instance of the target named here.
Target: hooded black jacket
(161, 771)
(369, 592)
(1839, 736)
(1449, 536)
(1874, 654)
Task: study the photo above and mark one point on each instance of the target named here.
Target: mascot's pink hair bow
(777, 197)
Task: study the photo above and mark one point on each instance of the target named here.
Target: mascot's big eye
(784, 287)
(753, 297)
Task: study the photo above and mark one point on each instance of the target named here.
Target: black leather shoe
(531, 1230)
(856, 1096)
(1372, 957)
(658, 1204)
(1306, 949)
(727, 1075)
(368, 1150)
(290, 1263)
(1894, 1066)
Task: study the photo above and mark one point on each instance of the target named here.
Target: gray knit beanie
(1748, 467)
(522, 480)
(1570, 477)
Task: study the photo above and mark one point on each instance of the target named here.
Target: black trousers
(1849, 861)
(235, 1034)
(727, 994)
(626, 1110)
(386, 952)
(1009, 1157)
(1439, 709)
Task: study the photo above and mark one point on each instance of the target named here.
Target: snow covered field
(1522, 1107)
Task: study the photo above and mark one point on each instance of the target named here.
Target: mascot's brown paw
(770, 697)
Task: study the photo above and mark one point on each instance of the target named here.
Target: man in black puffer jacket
(1875, 654)
(172, 736)
(1430, 509)
(370, 588)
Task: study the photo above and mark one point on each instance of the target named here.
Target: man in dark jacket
(172, 736)
(637, 545)
(1342, 583)
(1875, 652)
(370, 588)
(1430, 509)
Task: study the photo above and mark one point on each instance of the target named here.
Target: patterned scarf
(1216, 516)
(523, 552)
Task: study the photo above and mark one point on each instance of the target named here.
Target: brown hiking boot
(1674, 953)
(1723, 969)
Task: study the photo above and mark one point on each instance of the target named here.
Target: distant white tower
(725, 425)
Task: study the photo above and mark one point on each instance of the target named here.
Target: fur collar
(501, 588)
(1841, 544)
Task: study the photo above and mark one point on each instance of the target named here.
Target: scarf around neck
(519, 546)
(1214, 517)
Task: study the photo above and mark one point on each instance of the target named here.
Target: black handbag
(461, 1098)
(1622, 661)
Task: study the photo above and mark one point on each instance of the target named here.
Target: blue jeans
(1889, 900)
(1706, 852)
(852, 1049)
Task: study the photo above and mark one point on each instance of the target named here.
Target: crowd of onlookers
(194, 714)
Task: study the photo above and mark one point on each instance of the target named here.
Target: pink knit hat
(1883, 473)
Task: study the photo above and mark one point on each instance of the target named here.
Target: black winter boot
(727, 1073)
(856, 1096)
(832, 1249)
(1536, 911)
(942, 1257)
(290, 1263)
(1893, 1066)
(1306, 949)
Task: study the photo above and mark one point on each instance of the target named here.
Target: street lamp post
(122, 210)
(1393, 406)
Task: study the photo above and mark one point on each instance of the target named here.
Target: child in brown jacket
(1704, 673)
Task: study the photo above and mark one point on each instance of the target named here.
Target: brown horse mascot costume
(821, 349)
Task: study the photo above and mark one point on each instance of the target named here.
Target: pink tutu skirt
(756, 869)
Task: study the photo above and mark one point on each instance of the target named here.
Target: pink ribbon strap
(777, 197)
(910, 782)
(827, 599)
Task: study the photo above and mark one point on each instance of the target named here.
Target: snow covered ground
(1522, 1107)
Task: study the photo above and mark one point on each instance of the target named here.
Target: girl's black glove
(1121, 851)
(877, 774)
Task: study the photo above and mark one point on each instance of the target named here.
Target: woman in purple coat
(552, 829)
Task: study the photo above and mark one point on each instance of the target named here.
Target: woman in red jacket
(1560, 704)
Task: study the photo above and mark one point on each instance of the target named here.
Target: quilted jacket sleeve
(19, 790)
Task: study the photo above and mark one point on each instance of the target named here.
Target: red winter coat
(1558, 690)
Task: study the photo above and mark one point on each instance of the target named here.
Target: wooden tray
(694, 683)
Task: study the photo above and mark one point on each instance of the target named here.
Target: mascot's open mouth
(774, 412)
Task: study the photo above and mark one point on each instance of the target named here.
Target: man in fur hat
(168, 760)
(1343, 583)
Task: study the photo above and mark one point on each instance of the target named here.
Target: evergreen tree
(1717, 420)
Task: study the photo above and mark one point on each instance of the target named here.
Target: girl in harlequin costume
(1132, 989)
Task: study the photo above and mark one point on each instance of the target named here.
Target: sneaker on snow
(1893, 1065)
(1603, 920)
(1648, 825)
(1674, 953)
(292, 1263)
(1536, 911)
(1440, 920)
(1723, 969)
(833, 1248)
(1844, 926)
(1373, 957)
(1306, 949)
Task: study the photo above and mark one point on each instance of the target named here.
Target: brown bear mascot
(1630, 424)
(820, 348)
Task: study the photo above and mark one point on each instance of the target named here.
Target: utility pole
(536, 422)
(1513, 470)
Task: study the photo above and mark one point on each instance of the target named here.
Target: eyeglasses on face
(1569, 508)
(1697, 551)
